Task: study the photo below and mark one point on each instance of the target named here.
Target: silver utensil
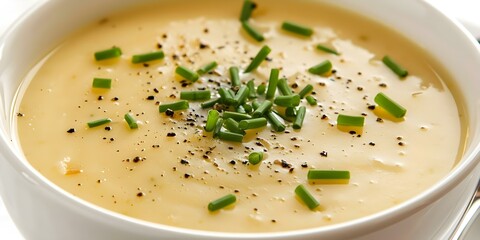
(468, 217)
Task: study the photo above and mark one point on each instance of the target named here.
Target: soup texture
(169, 169)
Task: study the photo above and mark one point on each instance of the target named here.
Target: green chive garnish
(297, 124)
(211, 103)
(102, 83)
(241, 95)
(272, 83)
(258, 59)
(321, 68)
(212, 119)
(132, 123)
(240, 109)
(218, 127)
(290, 112)
(146, 57)
(236, 116)
(248, 108)
(252, 32)
(233, 126)
(346, 120)
(397, 69)
(311, 100)
(251, 89)
(221, 202)
(252, 123)
(287, 101)
(306, 90)
(262, 108)
(247, 10)
(261, 89)
(207, 68)
(275, 122)
(226, 96)
(180, 105)
(230, 136)
(390, 106)
(328, 176)
(306, 197)
(297, 28)
(283, 87)
(99, 122)
(234, 76)
(108, 53)
(186, 73)
(195, 95)
(255, 158)
(327, 49)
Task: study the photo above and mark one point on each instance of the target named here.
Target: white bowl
(43, 211)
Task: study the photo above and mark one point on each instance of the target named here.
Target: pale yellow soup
(390, 160)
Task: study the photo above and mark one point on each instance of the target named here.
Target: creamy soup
(169, 169)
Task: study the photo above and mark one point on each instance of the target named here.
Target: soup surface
(169, 169)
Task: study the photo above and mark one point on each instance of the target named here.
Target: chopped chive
(221, 202)
(283, 87)
(297, 28)
(346, 120)
(99, 122)
(240, 109)
(230, 136)
(261, 89)
(390, 106)
(226, 96)
(186, 73)
(306, 197)
(327, 49)
(297, 124)
(195, 95)
(272, 83)
(252, 123)
(146, 57)
(252, 32)
(108, 53)
(210, 103)
(321, 68)
(255, 105)
(287, 101)
(251, 89)
(132, 123)
(102, 83)
(311, 100)
(233, 126)
(241, 95)
(306, 90)
(255, 158)
(397, 69)
(283, 116)
(258, 59)
(315, 174)
(275, 122)
(218, 127)
(207, 68)
(248, 108)
(247, 9)
(180, 105)
(290, 112)
(236, 116)
(234, 76)
(212, 119)
(262, 108)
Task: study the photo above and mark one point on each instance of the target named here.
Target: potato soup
(111, 144)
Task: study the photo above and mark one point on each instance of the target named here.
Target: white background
(467, 11)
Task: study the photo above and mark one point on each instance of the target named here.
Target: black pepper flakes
(371, 143)
(151, 98)
(371, 107)
(169, 112)
(324, 153)
(108, 128)
(71, 130)
(20, 114)
(171, 134)
(140, 194)
(184, 162)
